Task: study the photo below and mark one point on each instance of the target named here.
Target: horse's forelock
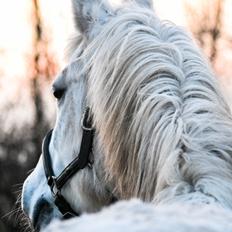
(152, 96)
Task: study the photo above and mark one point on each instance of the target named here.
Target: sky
(16, 39)
(16, 36)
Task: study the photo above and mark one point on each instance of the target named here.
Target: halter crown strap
(82, 160)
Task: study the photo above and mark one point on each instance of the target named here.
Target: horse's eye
(58, 93)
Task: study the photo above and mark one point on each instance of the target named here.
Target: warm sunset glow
(16, 35)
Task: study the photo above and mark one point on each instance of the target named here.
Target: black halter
(80, 162)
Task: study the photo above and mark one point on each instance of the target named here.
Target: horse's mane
(158, 111)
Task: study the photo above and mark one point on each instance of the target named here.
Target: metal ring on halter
(86, 121)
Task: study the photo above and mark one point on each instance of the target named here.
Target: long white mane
(165, 126)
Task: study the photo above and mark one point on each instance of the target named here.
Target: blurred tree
(20, 148)
(205, 22)
(44, 68)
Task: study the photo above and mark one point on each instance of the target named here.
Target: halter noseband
(79, 163)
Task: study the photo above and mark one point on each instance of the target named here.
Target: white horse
(163, 131)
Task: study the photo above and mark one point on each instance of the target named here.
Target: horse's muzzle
(42, 214)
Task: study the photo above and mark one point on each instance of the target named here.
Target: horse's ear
(89, 12)
(143, 3)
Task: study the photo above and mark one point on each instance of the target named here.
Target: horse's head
(156, 111)
(88, 190)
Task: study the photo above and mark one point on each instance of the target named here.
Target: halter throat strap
(79, 163)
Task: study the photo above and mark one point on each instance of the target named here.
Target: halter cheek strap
(79, 163)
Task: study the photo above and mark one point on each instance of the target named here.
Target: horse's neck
(185, 193)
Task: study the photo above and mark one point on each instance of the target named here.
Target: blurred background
(33, 38)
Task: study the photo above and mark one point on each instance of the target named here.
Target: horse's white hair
(136, 216)
(158, 111)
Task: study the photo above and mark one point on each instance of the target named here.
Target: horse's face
(87, 190)
(84, 191)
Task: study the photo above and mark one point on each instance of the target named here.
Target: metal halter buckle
(84, 121)
(50, 180)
